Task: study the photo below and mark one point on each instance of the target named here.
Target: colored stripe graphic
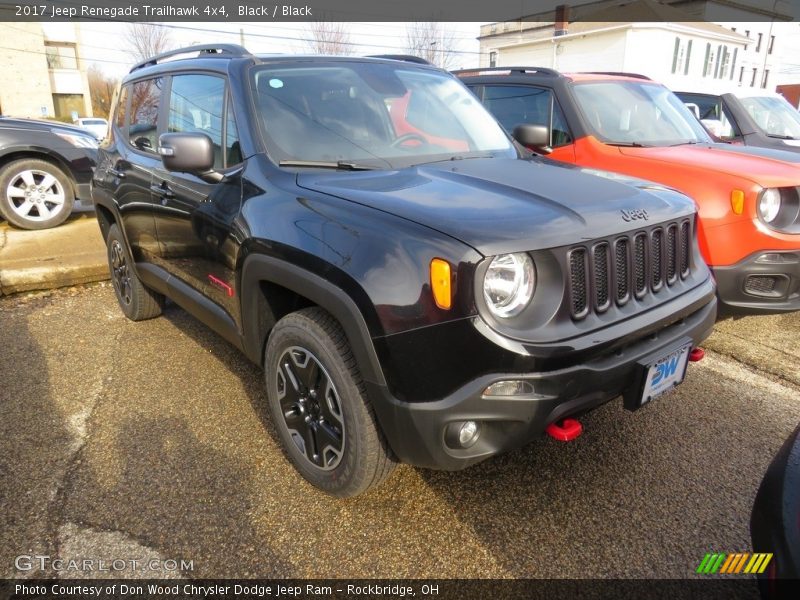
(718, 564)
(703, 563)
(758, 564)
(727, 564)
(741, 562)
(738, 562)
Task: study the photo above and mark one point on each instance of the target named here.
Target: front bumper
(417, 431)
(763, 283)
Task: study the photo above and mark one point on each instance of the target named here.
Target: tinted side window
(195, 106)
(233, 151)
(122, 106)
(143, 128)
(710, 107)
(515, 105)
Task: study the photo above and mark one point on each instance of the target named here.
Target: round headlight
(509, 284)
(769, 205)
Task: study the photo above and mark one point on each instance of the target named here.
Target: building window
(741, 74)
(707, 61)
(753, 80)
(726, 56)
(765, 79)
(716, 64)
(61, 56)
(68, 105)
(758, 43)
(733, 62)
(675, 52)
(771, 44)
(688, 57)
(492, 59)
(747, 35)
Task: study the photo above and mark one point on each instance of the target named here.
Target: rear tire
(319, 406)
(136, 301)
(35, 194)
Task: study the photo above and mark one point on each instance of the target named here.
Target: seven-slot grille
(630, 266)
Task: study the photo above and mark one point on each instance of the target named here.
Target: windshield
(774, 116)
(371, 113)
(633, 113)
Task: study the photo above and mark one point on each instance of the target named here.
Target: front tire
(320, 408)
(35, 194)
(136, 301)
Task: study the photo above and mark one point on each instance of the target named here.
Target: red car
(748, 204)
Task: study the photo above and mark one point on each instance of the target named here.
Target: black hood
(505, 205)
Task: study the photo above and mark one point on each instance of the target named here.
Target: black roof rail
(220, 50)
(619, 74)
(512, 70)
(404, 57)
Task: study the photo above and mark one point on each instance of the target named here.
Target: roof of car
(540, 72)
(207, 58)
(739, 92)
(579, 77)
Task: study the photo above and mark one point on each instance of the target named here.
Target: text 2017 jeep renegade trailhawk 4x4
(364, 229)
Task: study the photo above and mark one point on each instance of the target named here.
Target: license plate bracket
(657, 374)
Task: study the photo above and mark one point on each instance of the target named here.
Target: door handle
(117, 174)
(163, 191)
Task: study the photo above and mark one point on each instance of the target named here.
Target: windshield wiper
(455, 157)
(342, 165)
(629, 144)
(685, 143)
(781, 137)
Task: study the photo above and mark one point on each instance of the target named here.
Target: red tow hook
(564, 431)
(696, 355)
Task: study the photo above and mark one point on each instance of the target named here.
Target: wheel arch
(41, 154)
(272, 287)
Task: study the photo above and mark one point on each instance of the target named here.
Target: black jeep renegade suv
(414, 286)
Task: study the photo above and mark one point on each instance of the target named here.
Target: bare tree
(145, 40)
(101, 90)
(431, 41)
(329, 38)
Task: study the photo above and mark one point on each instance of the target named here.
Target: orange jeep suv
(748, 204)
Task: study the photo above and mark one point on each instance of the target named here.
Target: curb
(47, 278)
(70, 254)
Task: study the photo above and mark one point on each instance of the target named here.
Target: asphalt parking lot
(138, 440)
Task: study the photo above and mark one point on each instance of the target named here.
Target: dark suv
(44, 167)
(414, 288)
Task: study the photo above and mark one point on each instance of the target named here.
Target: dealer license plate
(664, 374)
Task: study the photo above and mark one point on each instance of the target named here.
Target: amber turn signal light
(737, 201)
(440, 283)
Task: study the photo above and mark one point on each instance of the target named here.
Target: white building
(645, 37)
(44, 73)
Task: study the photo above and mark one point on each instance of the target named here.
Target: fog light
(509, 388)
(468, 434)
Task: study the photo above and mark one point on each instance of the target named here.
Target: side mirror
(188, 153)
(535, 137)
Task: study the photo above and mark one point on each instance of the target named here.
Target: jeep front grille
(577, 273)
(630, 266)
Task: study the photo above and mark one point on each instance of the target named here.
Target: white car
(98, 126)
